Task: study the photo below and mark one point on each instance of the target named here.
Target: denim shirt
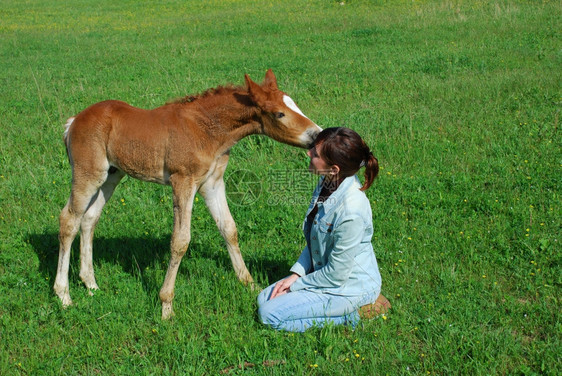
(339, 258)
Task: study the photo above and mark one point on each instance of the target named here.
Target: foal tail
(66, 128)
(65, 136)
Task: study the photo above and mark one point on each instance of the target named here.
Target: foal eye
(279, 115)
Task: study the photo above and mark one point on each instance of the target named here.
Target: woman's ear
(334, 170)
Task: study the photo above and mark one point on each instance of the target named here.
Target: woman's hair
(344, 148)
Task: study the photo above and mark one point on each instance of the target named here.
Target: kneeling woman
(336, 278)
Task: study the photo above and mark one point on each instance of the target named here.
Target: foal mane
(220, 90)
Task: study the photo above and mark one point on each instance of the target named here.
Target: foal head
(282, 120)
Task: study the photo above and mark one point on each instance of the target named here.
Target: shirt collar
(337, 195)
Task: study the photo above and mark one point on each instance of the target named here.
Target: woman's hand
(282, 287)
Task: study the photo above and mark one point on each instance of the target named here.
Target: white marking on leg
(213, 191)
(88, 225)
(69, 225)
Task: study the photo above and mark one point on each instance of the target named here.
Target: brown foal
(184, 144)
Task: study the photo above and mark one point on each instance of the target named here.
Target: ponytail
(371, 170)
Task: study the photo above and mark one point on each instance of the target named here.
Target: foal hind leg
(88, 224)
(83, 193)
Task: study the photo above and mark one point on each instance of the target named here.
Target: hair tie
(364, 161)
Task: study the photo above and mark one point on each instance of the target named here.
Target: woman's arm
(347, 237)
(303, 265)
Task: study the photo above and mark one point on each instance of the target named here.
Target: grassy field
(460, 100)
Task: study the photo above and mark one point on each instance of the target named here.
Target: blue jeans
(300, 310)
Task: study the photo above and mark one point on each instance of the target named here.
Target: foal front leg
(184, 193)
(215, 197)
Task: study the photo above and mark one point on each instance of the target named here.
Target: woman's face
(317, 164)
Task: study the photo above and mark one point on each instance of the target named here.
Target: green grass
(460, 100)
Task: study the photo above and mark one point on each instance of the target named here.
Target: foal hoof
(247, 280)
(66, 301)
(254, 286)
(91, 286)
(64, 296)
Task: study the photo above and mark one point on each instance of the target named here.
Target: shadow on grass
(134, 255)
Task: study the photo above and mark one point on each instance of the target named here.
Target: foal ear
(270, 80)
(256, 92)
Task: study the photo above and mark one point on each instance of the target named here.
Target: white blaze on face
(292, 105)
(308, 136)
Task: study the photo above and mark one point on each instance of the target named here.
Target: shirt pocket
(324, 227)
(323, 235)
(320, 232)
